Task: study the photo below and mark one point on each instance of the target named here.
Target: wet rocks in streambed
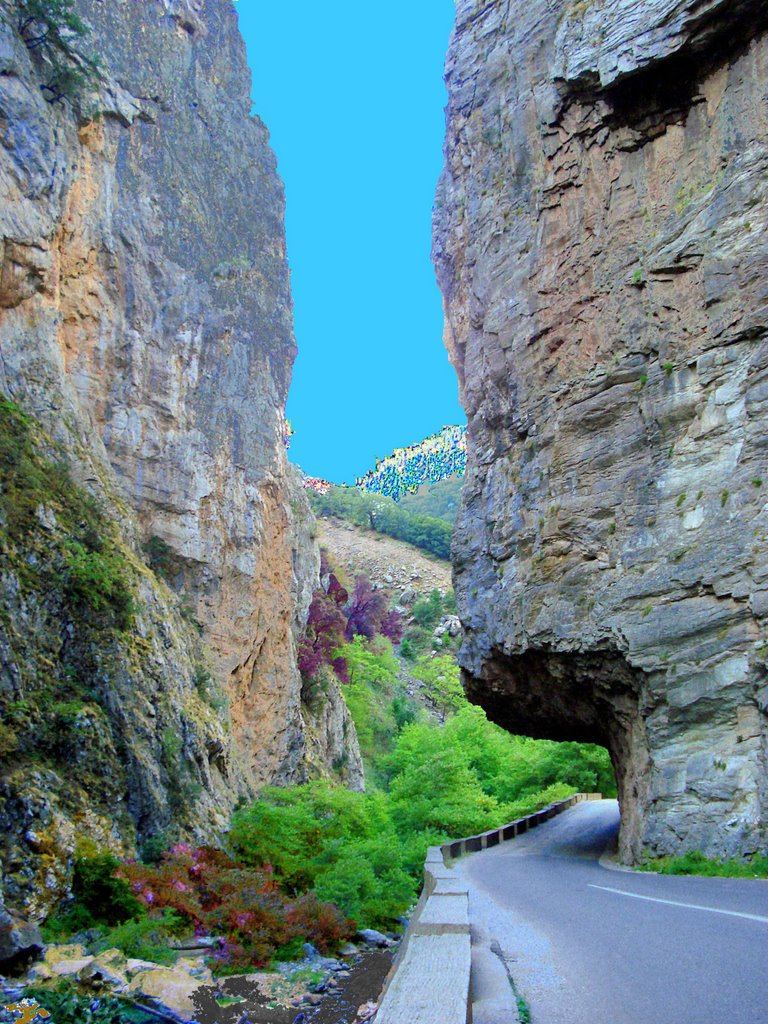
(373, 938)
(326, 990)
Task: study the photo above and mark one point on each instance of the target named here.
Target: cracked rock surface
(600, 241)
(146, 324)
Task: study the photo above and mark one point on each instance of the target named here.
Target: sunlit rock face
(146, 322)
(600, 241)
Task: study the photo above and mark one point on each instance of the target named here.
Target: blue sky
(353, 96)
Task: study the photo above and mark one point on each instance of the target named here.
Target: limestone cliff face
(600, 241)
(146, 325)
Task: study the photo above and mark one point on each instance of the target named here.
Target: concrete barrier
(439, 972)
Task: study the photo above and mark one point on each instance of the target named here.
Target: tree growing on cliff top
(52, 30)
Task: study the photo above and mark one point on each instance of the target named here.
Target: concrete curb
(444, 973)
(491, 994)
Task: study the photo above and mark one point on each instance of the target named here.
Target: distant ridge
(404, 471)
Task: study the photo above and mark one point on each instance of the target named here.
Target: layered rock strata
(600, 241)
(146, 329)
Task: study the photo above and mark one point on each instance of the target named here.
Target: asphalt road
(584, 949)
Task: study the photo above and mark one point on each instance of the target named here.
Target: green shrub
(536, 801)
(9, 740)
(108, 899)
(79, 559)
(153, 848)
(380, 513)
(367, 882)
(65, 923)
(418, 640)
(439, 500)
(170, 741)
(407, 650)
(100, 898)
(99, 580)
(208, 689)
(427, 611)
(373, 683)
(145, 938)
(161, 558)
(66, 1006)
(403, 712)
(339, 843)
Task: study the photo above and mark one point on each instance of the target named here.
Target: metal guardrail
(430, 981)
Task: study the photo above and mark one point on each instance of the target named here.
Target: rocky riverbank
(318, 989)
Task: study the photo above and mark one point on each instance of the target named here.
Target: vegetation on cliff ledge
(53, 33)
(65, 558)
(90, 700)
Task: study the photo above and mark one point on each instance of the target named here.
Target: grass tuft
(696, 863)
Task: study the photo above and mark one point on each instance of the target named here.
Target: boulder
(373, 938)
(20, 940)
(100, 977)
(170, 991)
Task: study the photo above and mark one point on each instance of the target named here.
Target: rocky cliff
(162, 562)
(600, 240)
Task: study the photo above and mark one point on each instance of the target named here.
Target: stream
(338, 1004)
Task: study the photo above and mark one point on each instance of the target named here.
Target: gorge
(599, 239)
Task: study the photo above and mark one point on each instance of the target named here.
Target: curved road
(583, 948)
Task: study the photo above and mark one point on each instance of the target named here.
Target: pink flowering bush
(245, 906)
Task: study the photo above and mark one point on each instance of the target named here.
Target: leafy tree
(104, 896)
(323, 634)
(439, 500)
(427, 611)
(365, 610)
(407, 649)
(391, 626)
(434, 789)
(403, 711)
(53, 30)
(341, 843)
(99, 580)
(367, 613)
(442, 685)
(334, 617)
(373, 676)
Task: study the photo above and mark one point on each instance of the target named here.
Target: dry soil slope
(391, 563)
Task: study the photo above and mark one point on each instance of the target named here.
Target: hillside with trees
(384, 515)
